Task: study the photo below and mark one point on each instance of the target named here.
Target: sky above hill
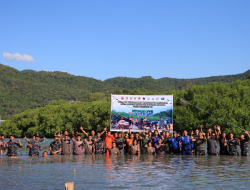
(106, 39)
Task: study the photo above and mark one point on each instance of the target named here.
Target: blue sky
(106, 39)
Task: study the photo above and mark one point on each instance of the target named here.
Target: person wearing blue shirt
(175, 149)
(185, 144)
(156, 137)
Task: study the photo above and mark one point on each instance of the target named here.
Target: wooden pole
(69, 186)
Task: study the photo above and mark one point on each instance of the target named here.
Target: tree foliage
(216, 103)
(22, 90)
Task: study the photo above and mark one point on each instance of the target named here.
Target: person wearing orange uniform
(108, 139)
(130, 142)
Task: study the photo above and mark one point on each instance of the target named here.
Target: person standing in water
(159, 147)
(78, 147)
(2, 143)
(149, 149)
(89, 146)
(212, 145)
(108, 139)
(244, 143)
(55, 146)
(114, 150)
(120, 143)
(200, 144)
(223, 142)
(175, 149)
(99, 144)
(35, 146)
(134, 148)
(232, 145)
(66, 146)
(11, 146)
(185, 143)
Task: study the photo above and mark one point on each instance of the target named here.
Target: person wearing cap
(11, 146)
(175, 149)
(55, 147)
(35, 146)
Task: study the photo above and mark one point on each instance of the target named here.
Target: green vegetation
(229, 101)
(22, 90)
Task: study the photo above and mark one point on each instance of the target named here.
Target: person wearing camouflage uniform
(55, 147)
(120, 142)
(232, 145)
(98, 142)
(11, 146)
(35, 146)
(199, 144)
(244, 144)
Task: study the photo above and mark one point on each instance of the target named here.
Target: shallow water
(124, 172)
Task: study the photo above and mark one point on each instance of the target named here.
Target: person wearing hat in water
(35, 146)
(11, 146)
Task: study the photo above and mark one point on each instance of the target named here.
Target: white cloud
(18, 57)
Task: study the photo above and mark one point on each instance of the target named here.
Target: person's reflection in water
(78, 158)
(109, 174)
(135, 158)
(150, 159)
(67, 158)
(89, 158)
(57, 158)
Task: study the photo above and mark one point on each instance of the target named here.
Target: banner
(141, 111)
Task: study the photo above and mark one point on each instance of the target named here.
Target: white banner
(141, 111)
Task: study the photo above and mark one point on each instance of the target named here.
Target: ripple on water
(125, 172)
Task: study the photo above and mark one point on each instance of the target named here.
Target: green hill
(226, 104)
(27, 89)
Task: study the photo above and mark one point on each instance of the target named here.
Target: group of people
(139, 124)
(150, 143)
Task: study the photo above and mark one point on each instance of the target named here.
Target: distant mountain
(166, 84)
(21, 90)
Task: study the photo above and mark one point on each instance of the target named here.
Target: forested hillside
(21, 90)
(228, 102)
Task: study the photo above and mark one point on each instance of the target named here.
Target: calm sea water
(124, 172)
